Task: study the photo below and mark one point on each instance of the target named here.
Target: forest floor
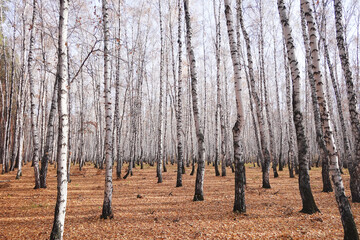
(167, 212)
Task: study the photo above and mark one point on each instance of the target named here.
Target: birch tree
(352, 99)
(199, 194)
(308, 201)
(258, 109)
(315, 104)
(62, 151)
(107, 210)
(160, 127)
(35, 133)
(350, 231)
(239, 203)
(180, 161)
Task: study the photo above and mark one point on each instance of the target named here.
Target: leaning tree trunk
(351, 95)
(259, 112)
(35, 133)
(317, 119)
(62, 151)
(239, 203)
(350, 230)
(308, 201)
(107, 210)
(199, 194)
(180, 161)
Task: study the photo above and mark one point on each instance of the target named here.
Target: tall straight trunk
(117, 98)
(49, 137)
(315, 104)
(107, 210)
(291, 152)
(277, 159)
(260, 117)
(62, 151)
(35, 133)
(239, 203)
(354, 167)
(218, 89)
(180, 157)
(268, 118)
(161, 121)
(199, 195)
(23, 83)
(308, 201)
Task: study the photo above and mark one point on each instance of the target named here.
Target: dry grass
(166, 212)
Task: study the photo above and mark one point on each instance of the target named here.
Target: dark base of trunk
(232, 168)
(223, 173)
(308, 202)
(127, 174)
(19, 174)
(217, 173)
(266, 180)
(192, 170)
(107, 212)
(183, 169)
(240, 181)
(347, 219)
(198, 197)
(325, 176)
(354, 184)
(55, 232)
(178, 183)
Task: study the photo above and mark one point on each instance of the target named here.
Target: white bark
(199, 195)
(239, 203)
(62, 151)
(35, 133)
(107, 210)
(350, 230)
(179, 129)
(352, 99)
(161, 120)
(308, 201)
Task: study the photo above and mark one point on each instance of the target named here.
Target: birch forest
(179, 119)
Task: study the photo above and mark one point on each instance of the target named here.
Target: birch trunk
(180, 160)
(277, 159)
(218, 89)
(315, 104)
(308, 201)
(199, 195)
(291, 151)
(62, 151)
(35, 133)
(350, 231)
(239, 203)
(49, 137)
(351, 95)
(117, 99)
(107, 210)
(265, 152)
(160, 127)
